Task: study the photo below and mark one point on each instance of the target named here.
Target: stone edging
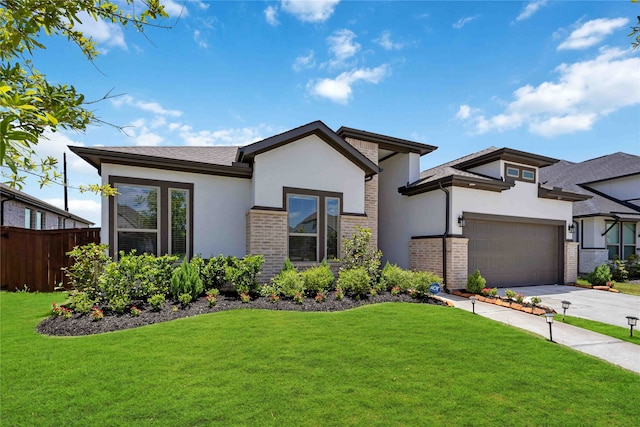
(537, 310)
(598, 288)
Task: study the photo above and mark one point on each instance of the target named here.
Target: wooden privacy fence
(35, 257)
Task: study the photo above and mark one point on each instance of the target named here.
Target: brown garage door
(514, 254)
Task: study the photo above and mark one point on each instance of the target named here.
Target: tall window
(313, 223)
(620, 239)
(27, 218)
(152, 217)
(39, 225)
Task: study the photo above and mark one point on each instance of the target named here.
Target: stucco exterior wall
(493, 169)
(520, 201)
(220, 206)
(592, 247)
(626, 188)
(311, 164)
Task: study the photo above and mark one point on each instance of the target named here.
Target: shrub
(519, 298)
(89, 263)
(288, 283)
(355, 281)
(421, 280)
(245, 297)
(186, 281)
(118, 303)
(600, 275)
(633, 266)
(535, 300)
(476, 282)
(318, 278)
(213, 273)
(243, 273)
(288, 265)
(510, 294)
(298, 297)
(320, 297)
(146, 274)
(96, 314)
(185, 299)
(494, 292)
(394, 276)
(135, 311)
(339, 294)
(156, 301)
(358, 252)
(618, 270)
(80, 301)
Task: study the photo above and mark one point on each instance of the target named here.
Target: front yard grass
(601, 328)
(389, 364)
(628, 288)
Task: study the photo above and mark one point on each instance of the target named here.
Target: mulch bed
(82, 323)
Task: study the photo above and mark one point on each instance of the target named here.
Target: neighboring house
(607, 225)
(299, 194)
(19, 209)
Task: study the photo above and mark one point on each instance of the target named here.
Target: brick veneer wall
(426, 255)
(370, 150)
(570, 262)
(267, 236)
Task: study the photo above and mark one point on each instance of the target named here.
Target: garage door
(514, 254)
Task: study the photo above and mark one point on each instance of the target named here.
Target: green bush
(476, 282)
(186, 280)
(355, 281)
(600, 275)
(510, 294)
(88, 266)
(119, 303)
(156, 301)
(114, 286)
(394, 276)
(358, 252)
(80, 301)
(213, 272)
(288, 283)
(618, 270)
(146, 274)
(421, 280)
(185, 299)
(243, 273)
(319, 278)
(633, 266)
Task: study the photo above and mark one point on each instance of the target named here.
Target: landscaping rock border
(507, 303)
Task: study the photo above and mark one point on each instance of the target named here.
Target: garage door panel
(513, 254)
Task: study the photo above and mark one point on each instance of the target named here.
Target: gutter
(444, 235)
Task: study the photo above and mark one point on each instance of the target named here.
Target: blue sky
(553, 78)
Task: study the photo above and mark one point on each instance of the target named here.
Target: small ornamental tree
(475, 282)
(358, 252)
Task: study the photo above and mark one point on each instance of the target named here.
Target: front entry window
(620, 239)
(137, 222)
(313, 225)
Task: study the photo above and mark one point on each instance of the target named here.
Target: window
(520, 173)
(313, 225)
(27, 218)
(60, 223)
(152, 217)
(620, 239)
(39, 225)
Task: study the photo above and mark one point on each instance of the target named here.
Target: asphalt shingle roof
(217, 155)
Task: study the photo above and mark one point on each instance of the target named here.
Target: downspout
(11, 197)
(444, 235)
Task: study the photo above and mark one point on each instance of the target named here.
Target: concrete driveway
(605, 307)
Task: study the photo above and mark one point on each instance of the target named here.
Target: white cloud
(152, 107)
(175, 9)
(304, 62)
(386, 43)
(464, 21)
(530, 9)
(271, 15)
(104, 33)
(310, 10)
(200, 40)
(202, 5)
(592, 32)
(342, 47)
(583, 93)
(240, 136)
(339, 89)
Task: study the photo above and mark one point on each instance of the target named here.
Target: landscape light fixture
(549, 318)
(473, 304)
(633, 321)
(572, 228)
(565, 305)
(461, 221)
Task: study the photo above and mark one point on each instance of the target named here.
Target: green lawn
(390, 364)
(628, 288)
(602, 328)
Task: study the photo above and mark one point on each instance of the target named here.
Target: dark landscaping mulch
(83, 324)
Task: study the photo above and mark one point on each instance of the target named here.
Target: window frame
(321, 215)
(521, 172)
(617, 229)
(28, 214)
(164, 212)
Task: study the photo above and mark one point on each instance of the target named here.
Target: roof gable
(507, 154)
(247, 153)
(397, 145)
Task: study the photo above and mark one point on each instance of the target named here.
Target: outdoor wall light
(572, 228)
(473, 304)
(633, 321)
(565, 305)
(549, 318)
(461, 221)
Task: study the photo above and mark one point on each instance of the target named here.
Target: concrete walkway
(612, 350)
